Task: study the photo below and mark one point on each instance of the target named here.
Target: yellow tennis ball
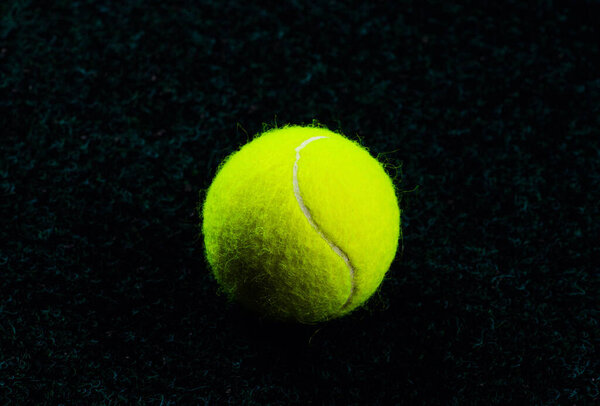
(301, 224)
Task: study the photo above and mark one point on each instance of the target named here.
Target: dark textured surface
(114, 115)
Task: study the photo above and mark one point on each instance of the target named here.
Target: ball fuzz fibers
(301, 224)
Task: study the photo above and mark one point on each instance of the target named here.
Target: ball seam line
(311, 221)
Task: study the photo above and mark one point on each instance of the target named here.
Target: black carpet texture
(114, 116)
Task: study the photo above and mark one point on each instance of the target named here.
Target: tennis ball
(301, 224)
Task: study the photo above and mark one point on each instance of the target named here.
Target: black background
(115, 115)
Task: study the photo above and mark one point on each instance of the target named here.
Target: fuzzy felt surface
(291, 264)
(353, 202)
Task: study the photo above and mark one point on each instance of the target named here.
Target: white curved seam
(308, 216)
